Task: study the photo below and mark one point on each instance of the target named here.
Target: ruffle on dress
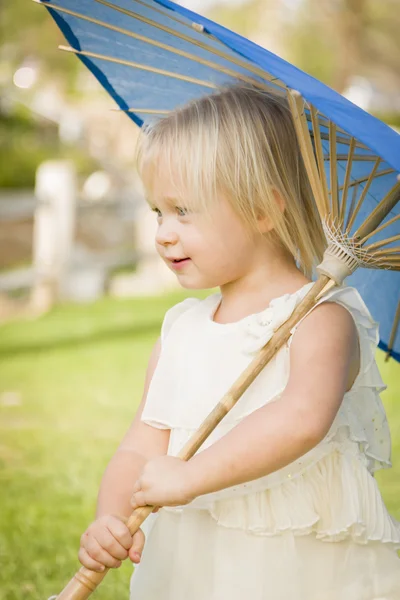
(335, 499)
(260, 327)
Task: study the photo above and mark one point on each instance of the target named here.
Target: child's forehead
(162, 185)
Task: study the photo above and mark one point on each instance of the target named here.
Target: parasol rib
(167, 13)
(379, 229)
(394, 238)
(355, 158)
(333, 171)
(345, 190)
(297, 108)
(393, 332)
(380, 212)
(353, 215)
(134, 65)
(362, 179)
(316, 132)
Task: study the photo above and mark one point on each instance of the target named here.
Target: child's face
(204, 251)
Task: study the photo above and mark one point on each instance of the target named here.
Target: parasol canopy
(153, 56)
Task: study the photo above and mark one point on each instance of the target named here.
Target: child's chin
(188, 284)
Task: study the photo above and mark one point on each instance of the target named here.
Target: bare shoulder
(327, 340)
(328, 318)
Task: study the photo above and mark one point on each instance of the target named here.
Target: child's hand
(107, 542)
(164, 482)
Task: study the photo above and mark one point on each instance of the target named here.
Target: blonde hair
(239, 141)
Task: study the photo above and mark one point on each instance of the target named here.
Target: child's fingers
(120, 531)
(138, 499)
(137, 486)
(135, 552)
(99, 554)
(106, 540)
(87, 561)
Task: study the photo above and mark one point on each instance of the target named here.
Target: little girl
(280, 503)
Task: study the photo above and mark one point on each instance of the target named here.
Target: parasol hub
(337, 264)
(343, 255)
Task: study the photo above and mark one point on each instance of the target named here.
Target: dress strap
(174, 313)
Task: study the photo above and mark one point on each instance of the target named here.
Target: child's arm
(324, 361)
(107, 541)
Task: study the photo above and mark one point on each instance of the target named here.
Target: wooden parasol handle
(86, 581)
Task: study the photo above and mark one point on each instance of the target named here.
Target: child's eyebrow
(169, 200)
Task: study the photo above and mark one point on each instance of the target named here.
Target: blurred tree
(333, 40)
(32, 116)
(360, 36)
(28, 34)
(348, 19)
(28, 124)
(243, 18)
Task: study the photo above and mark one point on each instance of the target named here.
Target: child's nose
(166, 235)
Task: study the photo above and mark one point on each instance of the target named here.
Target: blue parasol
(152, 56)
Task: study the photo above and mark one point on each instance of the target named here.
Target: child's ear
(266, 223)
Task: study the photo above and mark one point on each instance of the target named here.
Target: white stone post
(54, 226)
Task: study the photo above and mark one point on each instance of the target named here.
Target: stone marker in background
(53, 235)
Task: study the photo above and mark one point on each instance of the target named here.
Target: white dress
(315, 530)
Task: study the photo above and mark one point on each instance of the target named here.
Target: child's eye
(157, 211)
(182, 212)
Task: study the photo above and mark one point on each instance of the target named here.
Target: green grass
(70, 383)
(74, 379)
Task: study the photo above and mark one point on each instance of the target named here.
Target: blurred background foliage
(333, 40)
(31, 110)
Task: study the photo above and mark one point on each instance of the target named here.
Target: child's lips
(178, 263)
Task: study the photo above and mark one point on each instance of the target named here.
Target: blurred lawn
(70, 383)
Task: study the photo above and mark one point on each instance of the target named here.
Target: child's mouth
(178, 263)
